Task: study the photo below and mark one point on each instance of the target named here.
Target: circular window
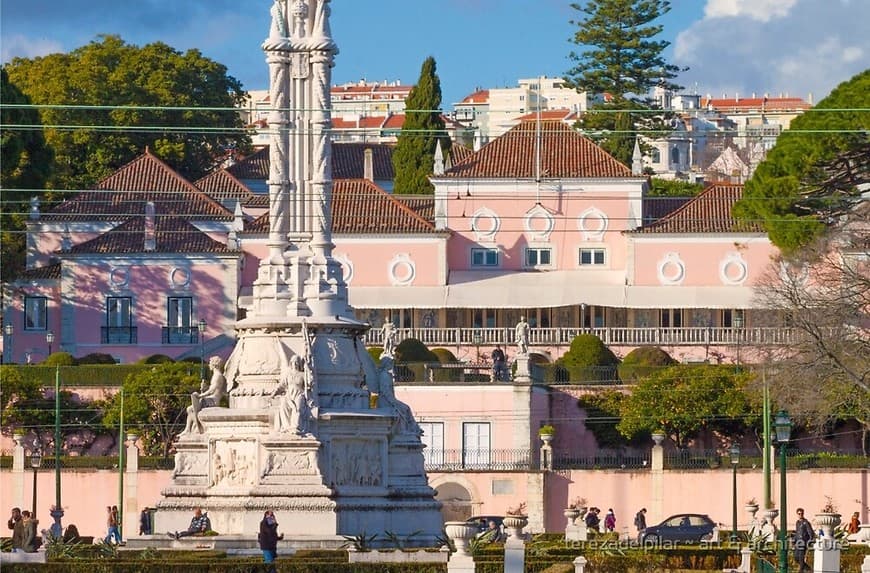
(539, 223)
(402, 270)
(733, 270)
(592, 223)
(671, 269)
(485, 223)
(119, 276)
(179, 277)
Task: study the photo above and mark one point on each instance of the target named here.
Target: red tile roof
(709, 212)
(549, 114)
(221, 185)
(480, 96)
(755, 103)
(361, 207)
(423, 205)
(564, 154)
(48, 272)
(459, 152)
(348, 162)
(173, 235)
(124, 194)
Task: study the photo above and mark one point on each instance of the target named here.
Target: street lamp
(782, 425)
(49, 338)
(477, 339)
(735, 460)
(202, 351)
(35, 462)
(7, 342)
(738, 325)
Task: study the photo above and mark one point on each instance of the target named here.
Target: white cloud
(760, 10)
(18, 45)
(809, 47)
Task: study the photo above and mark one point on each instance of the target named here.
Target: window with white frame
(590, 257)
(179, 311)
(538, 257)
(671, 318)
(118, 311)
(433, 439)
(484, 257)
(35, 313)
(475, 444)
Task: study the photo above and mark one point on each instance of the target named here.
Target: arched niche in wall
(593, 223)
(671, 269)
(485, 224)
(539, 223)
(733, 270)
(401, 270)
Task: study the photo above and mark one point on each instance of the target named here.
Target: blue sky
(743, 46)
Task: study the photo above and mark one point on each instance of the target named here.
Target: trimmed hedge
(86, 375)
(234, 565)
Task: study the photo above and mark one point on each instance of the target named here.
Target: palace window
(484, 257)
(35, 313)
(433, 439)
(538, 257)
(475, 444)
(592, 257)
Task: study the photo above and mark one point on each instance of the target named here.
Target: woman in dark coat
(269, 537)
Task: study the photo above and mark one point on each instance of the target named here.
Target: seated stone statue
(207, 397)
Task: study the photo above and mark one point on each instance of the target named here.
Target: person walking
(17, 528)
(112, 533)
(640, 523)
(610, 520)
(269, 537)
(803, 536)
(28, 524)
(145, 521)
(499, 372)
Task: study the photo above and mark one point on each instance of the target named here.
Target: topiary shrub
(589, 360)
(60, 359)
(643, 361)
(96, 358)
(412, 350)
(156, 359)
(444, 355)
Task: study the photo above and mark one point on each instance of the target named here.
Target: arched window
(675, 156)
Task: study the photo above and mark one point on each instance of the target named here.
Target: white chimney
(368, 165)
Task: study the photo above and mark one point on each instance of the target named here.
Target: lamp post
(477, 339)
(202, 351)
(49, 338)
(782, 425)
(738, 324)
(7, 342)
(735, 459)
(35, 462)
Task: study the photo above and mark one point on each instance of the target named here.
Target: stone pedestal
(576, 532)
(523, 372)
(826, 556)
(515, 555)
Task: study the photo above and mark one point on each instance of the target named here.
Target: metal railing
(602, 459)
(179, 334)
(611, 336)
(119, 335)
(452, 460)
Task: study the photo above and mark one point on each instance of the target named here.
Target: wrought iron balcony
(477, 460)
(179, 334)
(119, 335)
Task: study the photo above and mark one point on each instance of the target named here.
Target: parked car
(681, 528)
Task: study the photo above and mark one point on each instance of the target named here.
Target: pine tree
(621, 59)
(413, 158)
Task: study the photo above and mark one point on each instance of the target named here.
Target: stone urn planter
(572, 514)
(461, 533)
(547, 438)
(827, 522)
(770, 515)
(515, 524)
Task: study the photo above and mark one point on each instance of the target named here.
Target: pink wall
(701, 259)
(512, 206)
(86, 493)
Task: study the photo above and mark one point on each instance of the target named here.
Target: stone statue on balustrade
(522, 336)
(207, 397)
(389, 333)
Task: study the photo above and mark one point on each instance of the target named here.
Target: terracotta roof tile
(361, 207)
(347, 162)
(755, 103)
(480, 96)
(564, 154)
(172, 234)
(221, 186)
(423, 205)
(124, 194)
(48, 272)
(459, 152)
(654, 208)
(709, 212)
(566, 115)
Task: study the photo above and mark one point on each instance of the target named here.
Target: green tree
(24, 168)
(179, 104)
(643, 361)
(602, 417)
(817, 170)
(620, 58)
(683, 399)
(414, 156)
(589, 360)
(156, 402)
(17, 395)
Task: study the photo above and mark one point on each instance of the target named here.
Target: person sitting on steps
(199, 525)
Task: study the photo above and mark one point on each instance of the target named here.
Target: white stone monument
(300, 435)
